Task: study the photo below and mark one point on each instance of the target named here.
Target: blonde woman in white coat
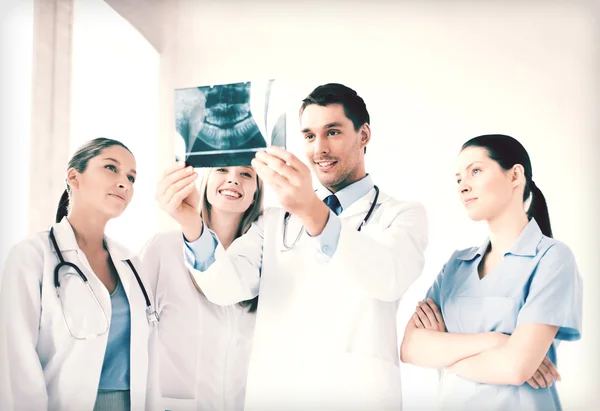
(204, 347)
(72, 305)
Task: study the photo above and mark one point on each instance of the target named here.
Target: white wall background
(115, 76)
(433, 74)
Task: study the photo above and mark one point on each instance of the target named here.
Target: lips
(120, 197)
(468, 201)
(325, 165)
(230, 193)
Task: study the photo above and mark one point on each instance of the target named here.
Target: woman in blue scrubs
(504, 306)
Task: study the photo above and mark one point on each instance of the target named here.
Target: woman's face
(106, 185)
(231, 189)
(485, 189)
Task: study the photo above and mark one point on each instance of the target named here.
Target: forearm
(434, 349)
(495, 366)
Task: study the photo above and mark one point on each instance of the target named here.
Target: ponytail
(538, 209)
(63, 206)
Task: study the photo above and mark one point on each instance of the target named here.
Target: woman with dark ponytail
(72, 304)
(494, 317)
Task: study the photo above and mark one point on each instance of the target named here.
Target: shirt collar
(349, 194)
(526, 244)
(65, 237)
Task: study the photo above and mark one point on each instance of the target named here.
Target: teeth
(230, 193)
(325, 164)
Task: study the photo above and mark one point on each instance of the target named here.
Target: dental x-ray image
(226, 124)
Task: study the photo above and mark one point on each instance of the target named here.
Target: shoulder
(32, 246)
(399, 206)
(553, 252)
(28, 255)
(403, 212)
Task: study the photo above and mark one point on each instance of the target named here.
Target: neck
(348, 181)
(225, 225)
(506, 228)
(88, 229)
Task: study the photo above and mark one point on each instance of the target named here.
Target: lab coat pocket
(81, 310)
(468, 314)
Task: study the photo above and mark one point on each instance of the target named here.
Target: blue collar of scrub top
(526, 245)
(350, 194)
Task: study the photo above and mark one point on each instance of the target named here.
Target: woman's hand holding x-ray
(291, 180)
(177, 195)
(428, 316)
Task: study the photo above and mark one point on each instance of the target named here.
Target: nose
(233, 182)
(463, 187)
(321, 145)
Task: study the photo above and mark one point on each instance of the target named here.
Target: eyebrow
(469, 166)
(327, 126)
(117, 161)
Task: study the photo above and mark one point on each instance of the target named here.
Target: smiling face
(485, 189)
(231, 189)
(333, 147)
(106, 184)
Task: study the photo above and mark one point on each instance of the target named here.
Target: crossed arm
(491, 358)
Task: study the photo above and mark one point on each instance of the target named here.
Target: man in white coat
(330, 267)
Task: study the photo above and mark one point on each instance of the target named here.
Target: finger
(428, 312)
(176, 187)
(417, 321)
(173, 167)
(287, 157)
(172, 178)
(269, 175)
(539, 378)
(178, 197)
(280, 167)
(423, 317)
(546, 374)
(552, 368)
(533, 383)
(436, 311)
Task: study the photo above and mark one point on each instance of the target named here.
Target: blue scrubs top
(115, 369)
(536, 282)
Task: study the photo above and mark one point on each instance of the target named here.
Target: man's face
(334, 149)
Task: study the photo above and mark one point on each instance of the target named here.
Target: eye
(221, 170)
(131, 178)
(333, 132)
(476, 171)
(111, 168)
(246, 174)
(458, 181)
(309, 136)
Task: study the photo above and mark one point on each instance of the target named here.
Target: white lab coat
(326, 335)
(42, 366)
(204, 348)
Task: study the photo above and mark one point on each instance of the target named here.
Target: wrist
(192, 229)
(314, 216)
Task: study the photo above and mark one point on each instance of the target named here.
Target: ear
(517, 175)
(73, 178)
(365, 135)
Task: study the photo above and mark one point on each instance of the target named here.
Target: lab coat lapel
(362, 205)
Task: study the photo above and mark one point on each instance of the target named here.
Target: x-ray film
(226, 124)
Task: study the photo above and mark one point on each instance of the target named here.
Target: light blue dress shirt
(537, 282)
(115, 368)
(200, 253)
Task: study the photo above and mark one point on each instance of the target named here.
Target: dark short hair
(333, 93)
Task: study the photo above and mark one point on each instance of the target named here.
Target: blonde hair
(250, 215)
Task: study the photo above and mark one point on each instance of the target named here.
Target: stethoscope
(287, 216)
(151, 315)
